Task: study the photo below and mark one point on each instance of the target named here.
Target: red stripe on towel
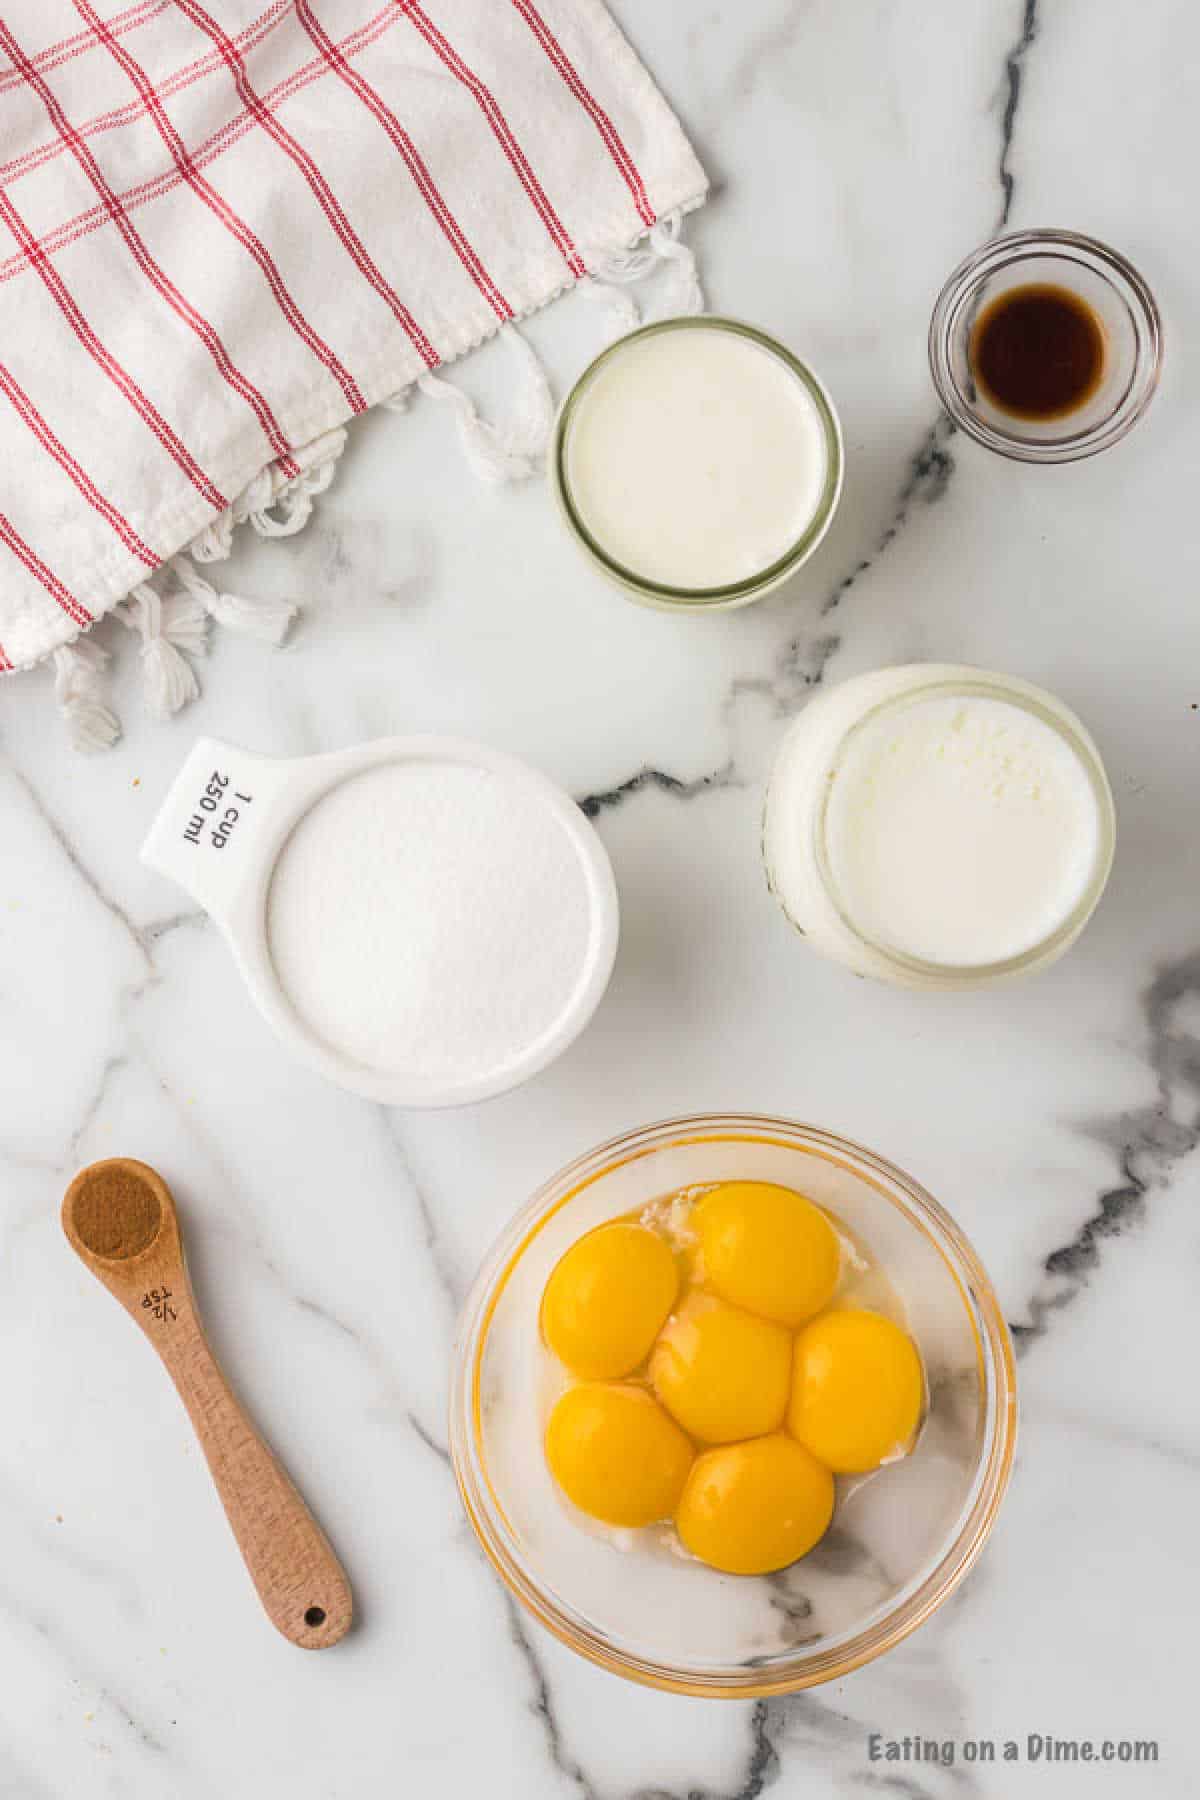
(213, 147)
(119, 377)
(504, 136)
(183, 77)
(249, 240)
(74, 609)
(152, 270)
(591, 106)
(58, 450)
(67, 48)
(316, 181)
(412, 160)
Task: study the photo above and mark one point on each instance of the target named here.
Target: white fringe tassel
(612, 275)
(513, 452)
(174, 626)
(685, 293)
(265, 619)
(274, 504)
(167, 628)
(79, 690)
(620, 310)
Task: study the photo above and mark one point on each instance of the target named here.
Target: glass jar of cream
(698, 463)
(938, 826)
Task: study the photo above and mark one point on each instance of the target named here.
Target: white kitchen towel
(226, 231)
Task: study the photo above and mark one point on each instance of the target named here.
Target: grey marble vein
(189, 919)
(1149, 1143)
(762, 1762)
(428, 1439)
(56, 1542)
(542, 1705)
(143, 937)
(395, 1404)
(157, 928)
(1121, 1437)
(34, 1622)
(90, 880)
(766, 50)
(111, 1067)
(240, 1229)
(1013, 75)
(930, 469)
(762, 1765)
(806, 1723)
(674, 785)
(449, 1279)
(395, 1396)
(801, 664)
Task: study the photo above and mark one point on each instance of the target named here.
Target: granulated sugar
(432, 918)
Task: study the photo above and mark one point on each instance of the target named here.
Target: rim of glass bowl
(921, 1597)
(954, 974)
(961, 292)
(752, 587)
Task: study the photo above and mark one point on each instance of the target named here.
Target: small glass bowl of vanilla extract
(1045, 346)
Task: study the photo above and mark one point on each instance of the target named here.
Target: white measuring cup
(226, 821)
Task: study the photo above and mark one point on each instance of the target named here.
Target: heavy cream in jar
(698, 461)
(934, 825)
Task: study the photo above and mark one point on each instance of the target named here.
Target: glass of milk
(698, 463)
(938, 826)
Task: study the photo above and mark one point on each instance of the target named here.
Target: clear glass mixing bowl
(901, 1539)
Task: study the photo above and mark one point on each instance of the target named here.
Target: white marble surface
(859, 150)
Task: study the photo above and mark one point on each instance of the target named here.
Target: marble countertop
(858, 152)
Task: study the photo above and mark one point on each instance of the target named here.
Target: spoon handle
(300, 1582)
(120, 1220)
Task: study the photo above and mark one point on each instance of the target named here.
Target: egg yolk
(722, 1373)
(614, 1452)
(750, 1508)
(607, 1299)
(857, 1390)
(768, 1249)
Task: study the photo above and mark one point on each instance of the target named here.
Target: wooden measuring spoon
(121, 1221)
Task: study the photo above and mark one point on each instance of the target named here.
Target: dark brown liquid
(1038, 351)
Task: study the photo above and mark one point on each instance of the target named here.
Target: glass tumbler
(796, 847)
(759, 581)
